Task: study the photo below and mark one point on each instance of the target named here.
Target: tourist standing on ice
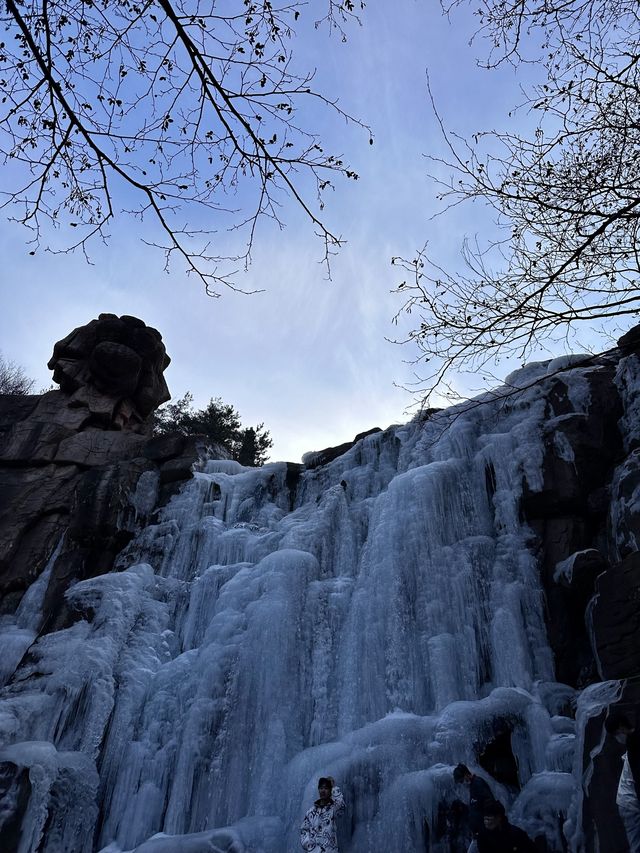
(499, 836)
(480, 796)
(628, 796)
(318, 830)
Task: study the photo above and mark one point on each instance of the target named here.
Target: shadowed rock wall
(587, 525)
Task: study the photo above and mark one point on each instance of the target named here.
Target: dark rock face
(79, 460)
(602, 825)
(616, 619)
(630, 341)
(497, 757)
(35, 510)
(587, 525)
(586, 519)
(570, 513)
(580, 448)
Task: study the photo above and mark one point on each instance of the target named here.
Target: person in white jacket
(318, 830)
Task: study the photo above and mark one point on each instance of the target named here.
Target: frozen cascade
(372, 627)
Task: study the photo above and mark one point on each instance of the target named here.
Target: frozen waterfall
(374, 622)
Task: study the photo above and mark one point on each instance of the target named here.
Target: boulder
(175, 470)
(115, 368)
(121, 359)
(579, 571)
(179, 468)
(163, 447)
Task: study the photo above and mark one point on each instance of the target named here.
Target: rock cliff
(586, 522)
(81, 461)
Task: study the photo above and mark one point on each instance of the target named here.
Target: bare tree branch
(185, 113)
(565, 199)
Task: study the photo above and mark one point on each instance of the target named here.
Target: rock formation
(81, 460)
(589, 560)
(112, 370)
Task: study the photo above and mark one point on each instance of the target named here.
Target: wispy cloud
(308, 357)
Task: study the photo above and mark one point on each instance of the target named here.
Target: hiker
(628, 796)
(318, 830)
(479, 796)
(499, 836)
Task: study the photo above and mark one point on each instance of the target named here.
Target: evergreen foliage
(220, 423)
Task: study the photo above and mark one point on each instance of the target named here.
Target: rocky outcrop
(81, 461)
(113, 368)
(616, 619)
(569, 513)
(586, 518)
(588, 522)
(317, 458)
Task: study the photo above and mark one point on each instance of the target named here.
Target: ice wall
(377, 625)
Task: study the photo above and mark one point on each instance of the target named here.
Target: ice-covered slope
(379, 624)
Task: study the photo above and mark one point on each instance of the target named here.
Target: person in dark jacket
(499, 836)
(480, 796)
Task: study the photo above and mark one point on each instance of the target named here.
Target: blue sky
(307, 357)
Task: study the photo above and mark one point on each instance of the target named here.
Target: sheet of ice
(572, 370)
(563, 362)
(62, 808)
(545, 796)
(145, 495)
(376, 625)
(563, 572)
(19, 630)
(578, 389)
(525, 376)
(563, 447)
(250, 835)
